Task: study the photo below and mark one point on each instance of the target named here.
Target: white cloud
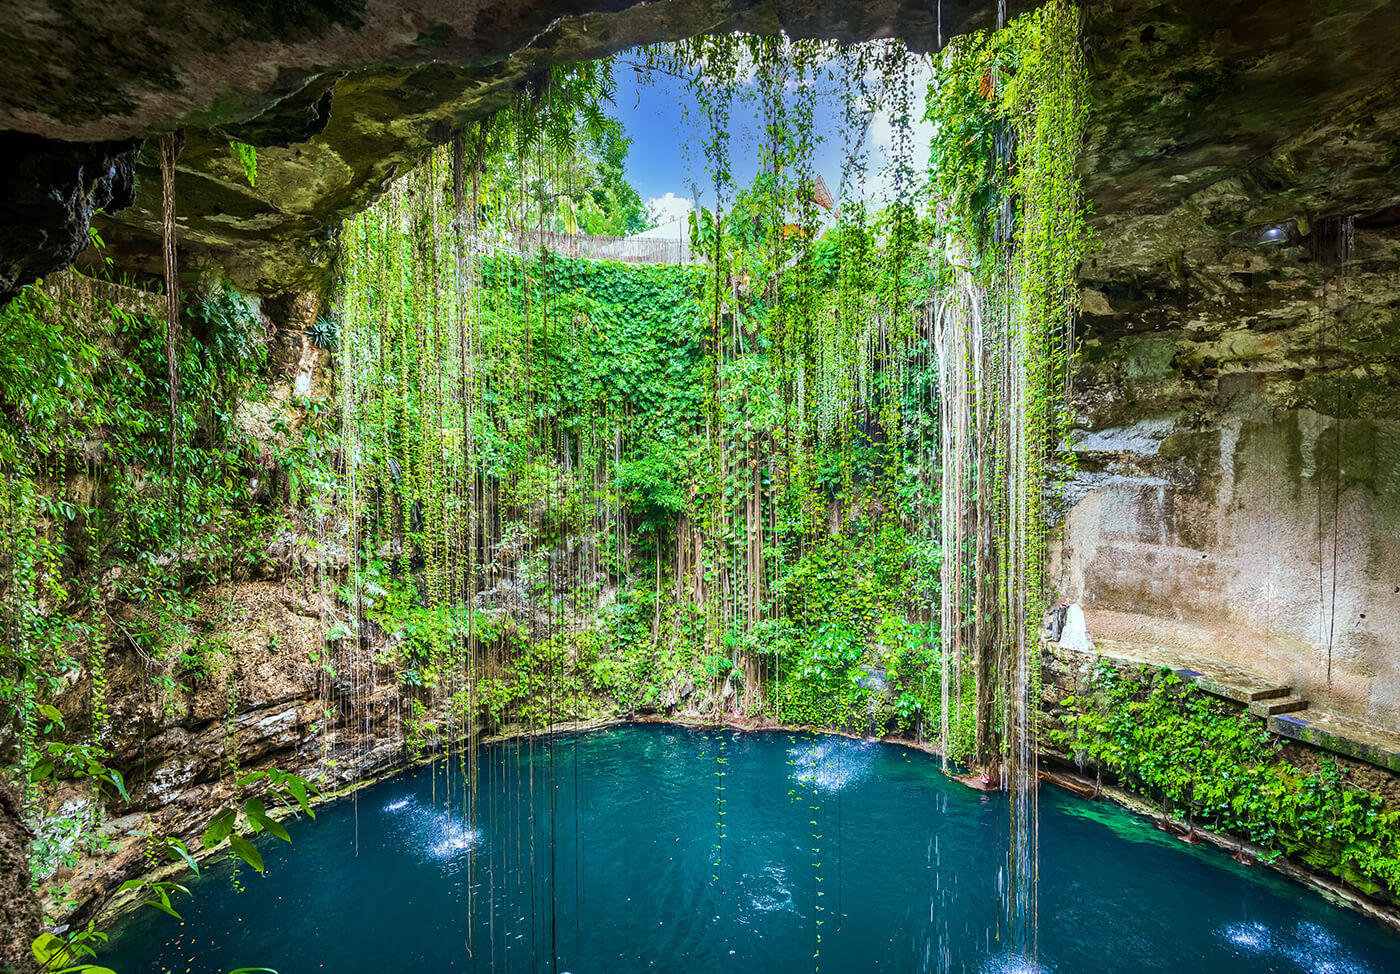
(669, 208)
(882, 136)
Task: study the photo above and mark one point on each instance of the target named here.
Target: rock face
(1238, 471)
(1209, 120)
(1237, 492)
(339, 96)
(49, 192)
(19, 911)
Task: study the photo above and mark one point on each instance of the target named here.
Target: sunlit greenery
(800, 480)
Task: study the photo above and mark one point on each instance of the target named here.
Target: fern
(248, 159)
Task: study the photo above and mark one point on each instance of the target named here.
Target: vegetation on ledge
(1207, 762)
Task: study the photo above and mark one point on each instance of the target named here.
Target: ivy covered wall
(1208, 763)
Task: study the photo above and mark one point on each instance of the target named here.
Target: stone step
(1351, 738)
(1234, 684)
(1272, 706)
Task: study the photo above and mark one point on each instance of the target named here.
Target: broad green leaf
(49, 950)
(297, 787)
(257, 813)
(244, 850)
(161, 902)
(181, 850)
(219, 827)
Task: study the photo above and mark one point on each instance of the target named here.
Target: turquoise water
(657, 848)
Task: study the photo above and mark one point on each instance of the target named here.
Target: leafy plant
(325, 332)
(228, 824)
(1209, 762)
(248, 159)
(68, 954)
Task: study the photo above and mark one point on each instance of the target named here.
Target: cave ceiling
(1210, 121)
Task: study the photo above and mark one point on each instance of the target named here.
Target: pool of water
(658, 848)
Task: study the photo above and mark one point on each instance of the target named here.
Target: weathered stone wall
(1238, 491)
(19, 911)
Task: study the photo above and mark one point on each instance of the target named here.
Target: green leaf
(52, 713)
(180, 849)
(162, 903)
(248, 159)
(219, 827)
(49, 950)
(257, 813)
(297, 787)
(244, 850)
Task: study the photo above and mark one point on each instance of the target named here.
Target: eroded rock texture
(19, 911)
(1238, 494)
(49, 192)
(340, 95)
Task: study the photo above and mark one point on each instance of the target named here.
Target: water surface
(659, 848)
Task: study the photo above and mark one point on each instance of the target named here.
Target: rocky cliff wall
(1237, 392)
(1238, 485)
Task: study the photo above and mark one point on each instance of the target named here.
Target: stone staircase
(1277, 705)
(1264, 698)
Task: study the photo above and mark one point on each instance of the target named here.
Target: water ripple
(1309, 946)
(832, 764)
(430, 833)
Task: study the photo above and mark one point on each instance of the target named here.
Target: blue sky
(666, 155)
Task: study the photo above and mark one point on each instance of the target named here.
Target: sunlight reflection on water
(1309, 946)
(832, 764)
(430, 833)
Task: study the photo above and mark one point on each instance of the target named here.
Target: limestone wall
(1238, 448)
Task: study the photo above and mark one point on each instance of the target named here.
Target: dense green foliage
(97, 510)
(728, 471)
(591, 429)
(704, 486)
(1207, 761)
(567, 159)
(113, 545)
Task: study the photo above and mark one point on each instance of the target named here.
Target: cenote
(651, 847)
(654, 388)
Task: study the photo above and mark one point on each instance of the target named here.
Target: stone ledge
(1234, 684)
(1340, 735)
(1217, 678)
(1346, 737)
